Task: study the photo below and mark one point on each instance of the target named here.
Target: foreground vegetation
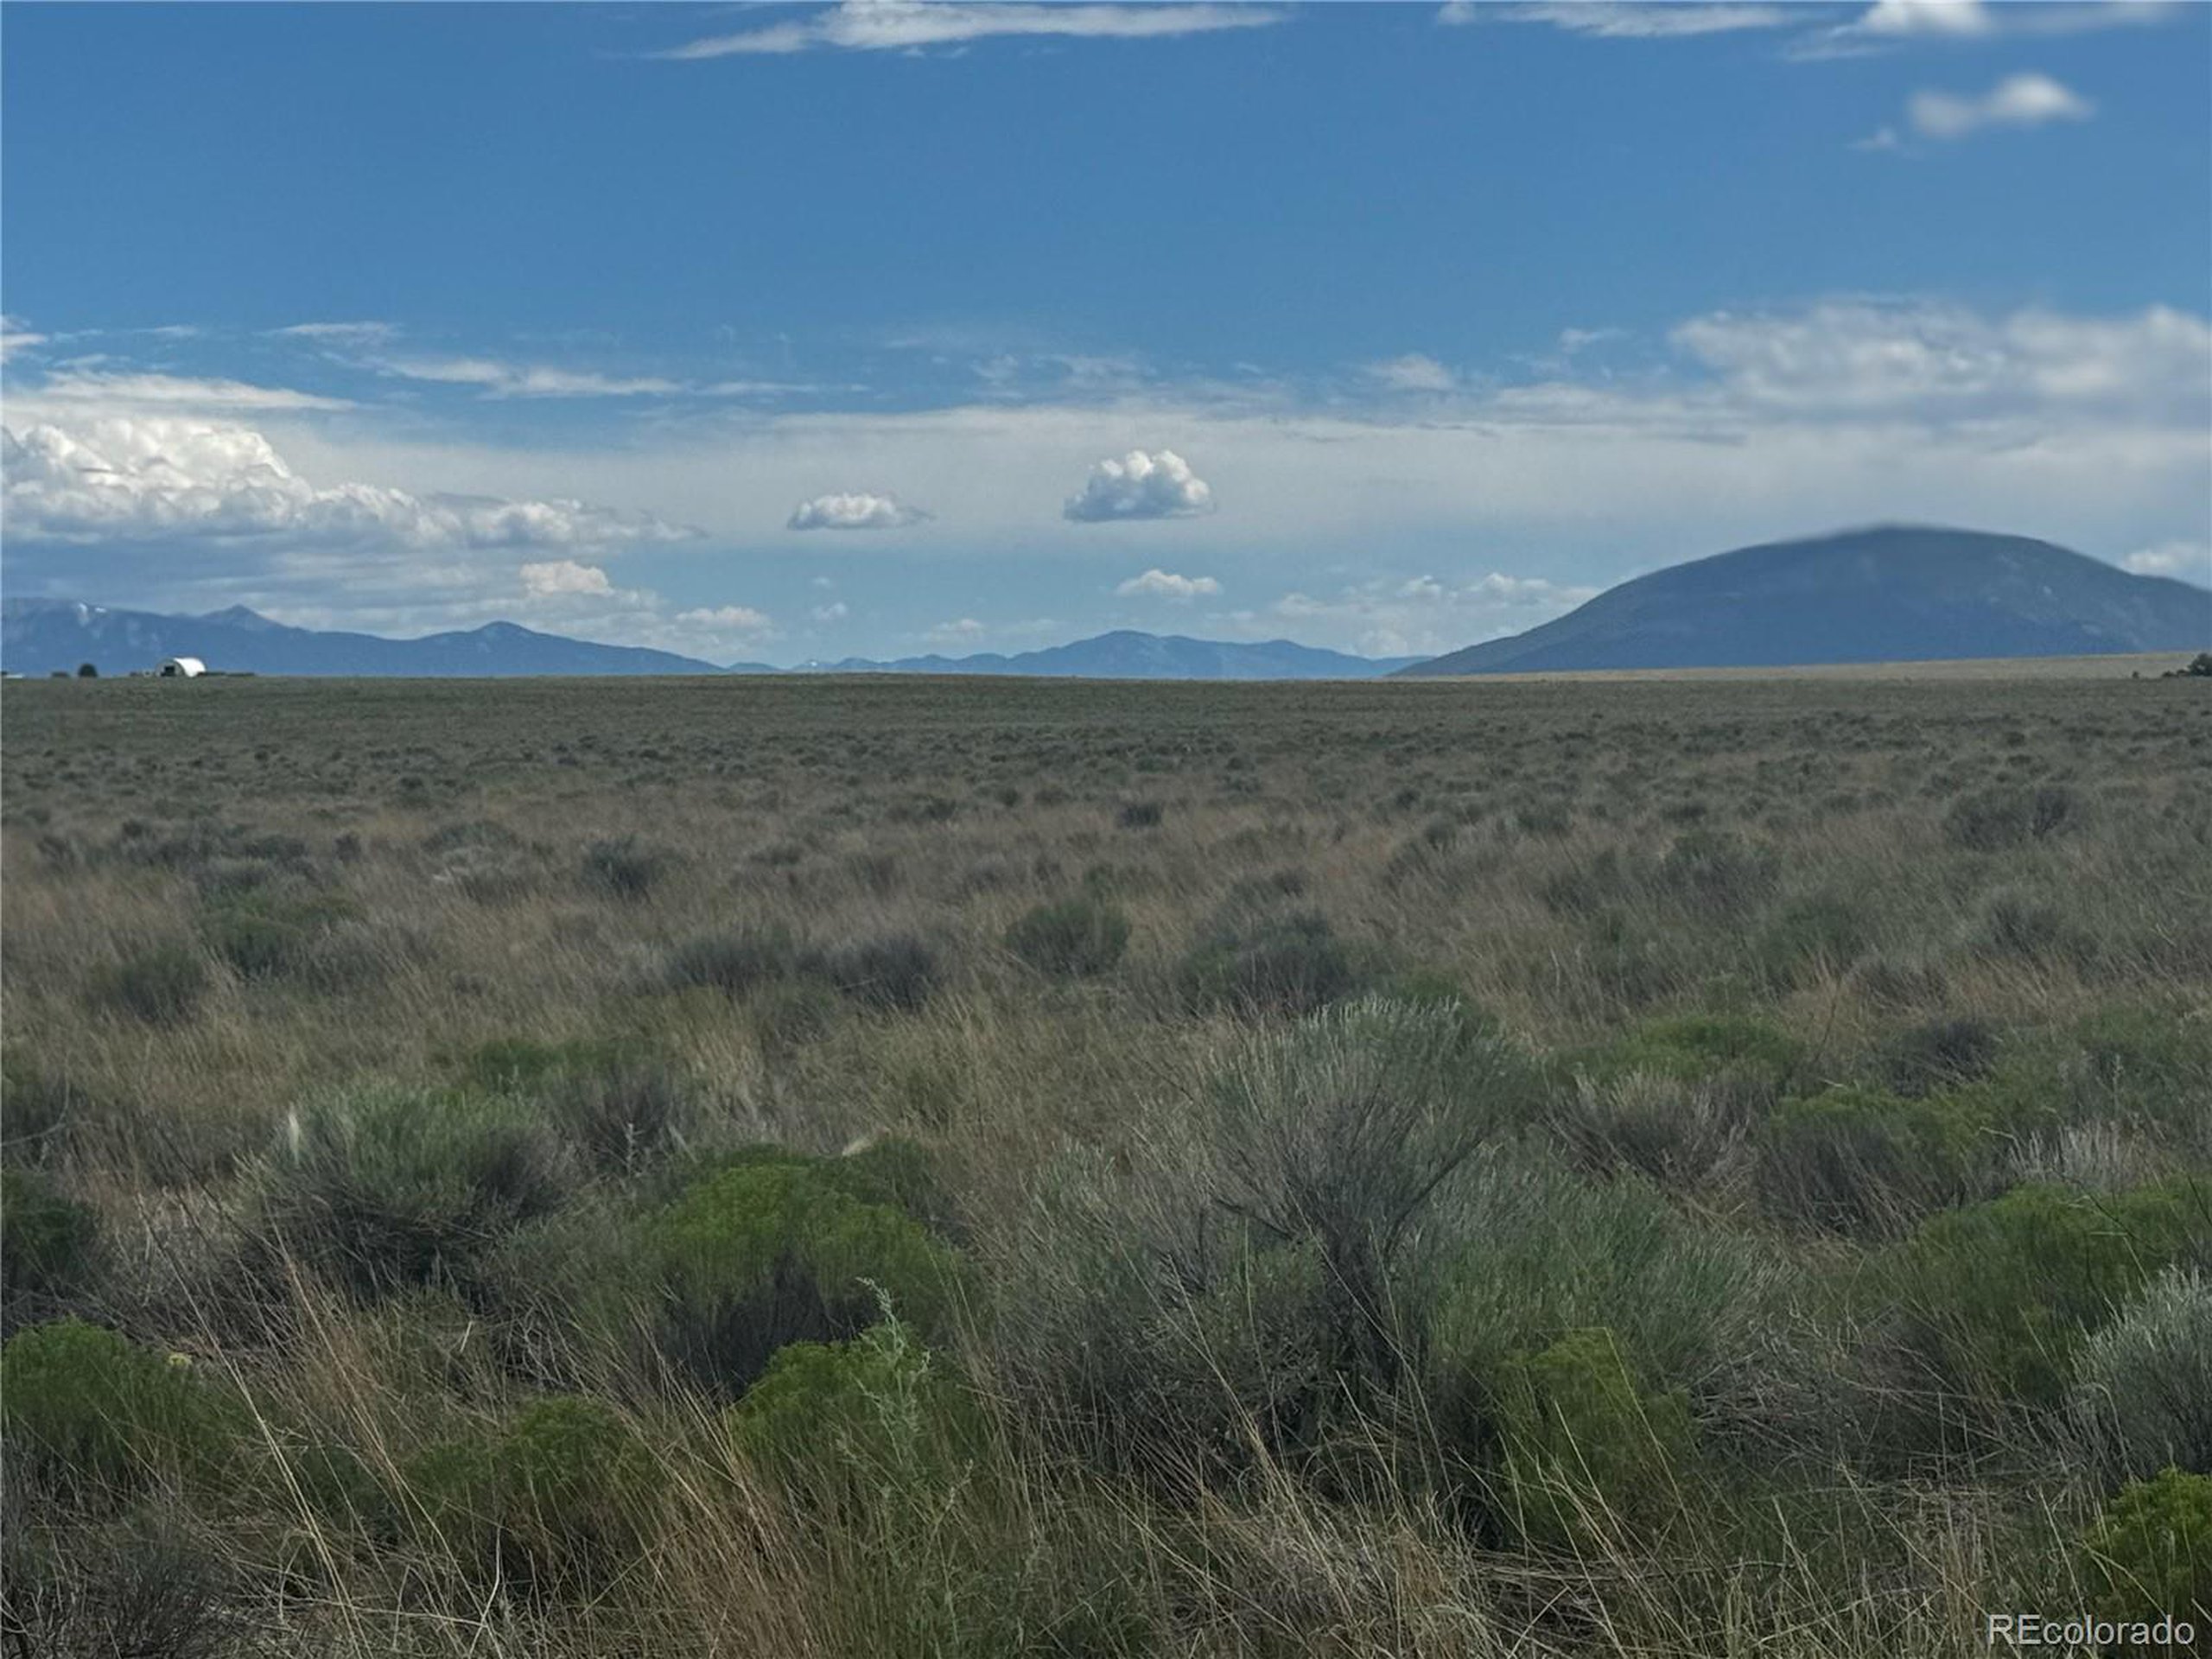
(898, 1168)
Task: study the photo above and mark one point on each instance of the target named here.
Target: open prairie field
(887, 1166)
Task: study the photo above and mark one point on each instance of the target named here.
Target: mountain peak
(1882, 593)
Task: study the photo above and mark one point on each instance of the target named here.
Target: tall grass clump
(383, 1188)
(1074, 938)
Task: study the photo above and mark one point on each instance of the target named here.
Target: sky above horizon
(780, 333)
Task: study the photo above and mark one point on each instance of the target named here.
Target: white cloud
(911, 25)
(2025, 100)
(1166, 584)
(1644, 20)
(728, 618)
(15, 335)
(165, 390)
(1412, 372)
(524, 380)
(2191, 561)
(835, 611)
(122, 478)
(966, 631)
(1953, 19)
(854, 510)
(562, 577)
(344, 333)
(1140, 484)
(1418, 615)
(1852, 356)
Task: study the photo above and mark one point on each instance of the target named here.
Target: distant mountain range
(1886, 594)
(38, 636)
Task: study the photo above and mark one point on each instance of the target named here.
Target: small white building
(183, 668)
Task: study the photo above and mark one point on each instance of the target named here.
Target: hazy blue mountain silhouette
(1892, 592)
(38, 636)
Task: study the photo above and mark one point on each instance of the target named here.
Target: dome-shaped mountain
(1890, 593)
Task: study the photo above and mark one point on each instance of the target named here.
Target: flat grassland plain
(889, 1166)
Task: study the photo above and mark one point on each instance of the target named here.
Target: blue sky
(792, 332)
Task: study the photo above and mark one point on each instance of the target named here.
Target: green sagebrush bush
(92, 1409)
(1855, 1160)
(1995, 820)
(897, 971)
(2149, 1553)
(854, 1418)
(160, 985)
(2142, 1390)
(771, 1249)
(620, 1101)
(555, 1499)
(1588, 1452)
(1287, 962)
(271, 932)
(1075, 938)
(46, 1238)
(383, 1188)
(626, 868)
(1999, 1295)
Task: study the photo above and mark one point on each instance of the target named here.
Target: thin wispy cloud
(499, 379)
(1411, 372)
(914, 25)
(1626, 20)
(175, 392)
(341, 333)
(18, 336)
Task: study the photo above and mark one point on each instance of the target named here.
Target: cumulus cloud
(554, 578)
(964, 630)
(1166, 584)
(1889, 24)
(2191, 561)
(854, 510)
(728, 618)
(2025, 101)
(912, 25)
(122, 478)
(1643, 20)
(1140, 484)
(1412, 372)
(835, 611)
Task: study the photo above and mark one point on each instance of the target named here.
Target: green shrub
(1939, 1054)
(1858, 1160)
(1288, 964)
(1716, 871)
(734, 962)
(384, 1188)
(556, 1498)
(855, 1417)
(2149, 1554)
(618, 1100)
(626, 868)
(1588, 1453)
(1700, 1046)
(889, 970)
(1825, 932)
(768, 1251)
(1338, 1132)
(2000, 1294)
(160, 985)
(269, 933)
(1995, 820)
(90, 1408)
(45, 1238)
(2142, 1384)
(1139, 814)
(1072, 940)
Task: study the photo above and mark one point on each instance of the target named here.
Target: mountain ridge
(1882, 593)
(39, 636)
